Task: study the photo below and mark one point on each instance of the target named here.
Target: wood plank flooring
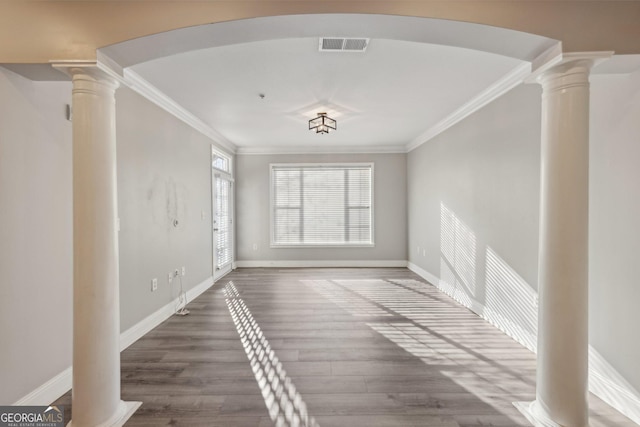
(330, 347)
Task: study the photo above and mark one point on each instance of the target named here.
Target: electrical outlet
(170, 277)
(154, 285)
(184, 270)
(255, 246)
(424, 252)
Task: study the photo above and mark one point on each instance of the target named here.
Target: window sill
(321, 246)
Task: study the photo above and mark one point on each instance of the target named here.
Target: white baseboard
(144, 326)
(49, 391)
(61, 383)
(431, 278)
(468, 302)
(604, 381)
(321, 263)
(523, 337)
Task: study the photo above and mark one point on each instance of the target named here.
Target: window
(322, 205)
(220, 161)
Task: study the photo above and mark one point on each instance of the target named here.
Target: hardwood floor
(330, 347)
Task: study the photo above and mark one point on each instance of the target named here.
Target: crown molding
(153, 94)
(138, 84)
(497, 89)
(322, 149)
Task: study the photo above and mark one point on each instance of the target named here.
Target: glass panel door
(222, 226)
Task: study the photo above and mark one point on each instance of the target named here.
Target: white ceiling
(384, 97)
(415, 75)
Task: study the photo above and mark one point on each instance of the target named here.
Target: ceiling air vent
(341, 44)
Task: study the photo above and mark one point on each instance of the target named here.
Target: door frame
(227, 175)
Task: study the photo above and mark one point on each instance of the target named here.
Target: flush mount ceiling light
(322, 123)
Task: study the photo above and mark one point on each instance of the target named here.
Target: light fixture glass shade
(322, 123)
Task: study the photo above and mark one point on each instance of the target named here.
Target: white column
(562, 370)
(96, 308)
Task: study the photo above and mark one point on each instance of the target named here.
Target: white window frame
(218, 153)
(275, 245)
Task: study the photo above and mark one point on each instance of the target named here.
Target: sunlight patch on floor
(285, 405)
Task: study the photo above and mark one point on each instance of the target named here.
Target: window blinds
(321, 205)
(222, 222)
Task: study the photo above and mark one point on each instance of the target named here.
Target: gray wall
(614, 212)
(473, 195)
(164, 174)
(252, 209)
(35, 234)
(473, 207)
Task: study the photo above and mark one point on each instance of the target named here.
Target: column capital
(567, 63)
(87, 70)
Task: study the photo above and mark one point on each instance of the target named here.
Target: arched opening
(417, 77)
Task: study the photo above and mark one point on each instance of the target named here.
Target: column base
(536, 415)
(124, 412)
